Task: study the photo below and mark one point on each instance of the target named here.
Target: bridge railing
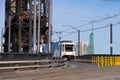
(24, 56)
(106, 61)
(7, 65)
(101, 60)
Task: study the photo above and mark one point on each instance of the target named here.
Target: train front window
(68, 47)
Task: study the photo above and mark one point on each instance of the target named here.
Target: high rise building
(91, 44)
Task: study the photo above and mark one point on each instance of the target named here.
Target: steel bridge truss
(26, 24)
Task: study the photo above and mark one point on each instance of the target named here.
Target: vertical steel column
(19, 3)
(20, 27)
(39, 18)
(9, 33)
(1, 39)
(30, 26)
(111, 40)
(50, 26)
(34, 27)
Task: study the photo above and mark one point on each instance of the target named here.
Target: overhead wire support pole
(111, 40)
(78, 42)
(111, 31)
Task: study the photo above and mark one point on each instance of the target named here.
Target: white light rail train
(65, 49)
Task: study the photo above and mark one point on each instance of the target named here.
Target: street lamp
(78, 37)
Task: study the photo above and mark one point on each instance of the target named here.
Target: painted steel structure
(28, 24)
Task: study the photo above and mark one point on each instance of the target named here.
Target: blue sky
(78, 12)
(2, 7)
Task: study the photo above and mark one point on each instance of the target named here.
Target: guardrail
(106, 61)
(100, 60)
(13, 56)
(14, 65)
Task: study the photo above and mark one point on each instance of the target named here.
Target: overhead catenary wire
(100, 27)
(112, 0)
(88, 30)
(58, 34)
(93, 21)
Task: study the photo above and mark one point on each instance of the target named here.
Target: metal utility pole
(30, 27)
(34, 28)
(1, 39)
(111, 32)
(78, 42)
(9, 33)
(111, 40)
(39, 18)
(50, 26)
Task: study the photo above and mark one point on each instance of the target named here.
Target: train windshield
(68, 47)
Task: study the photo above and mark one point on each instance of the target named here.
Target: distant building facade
(83, 48)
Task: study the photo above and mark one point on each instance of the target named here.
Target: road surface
(74, 71)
